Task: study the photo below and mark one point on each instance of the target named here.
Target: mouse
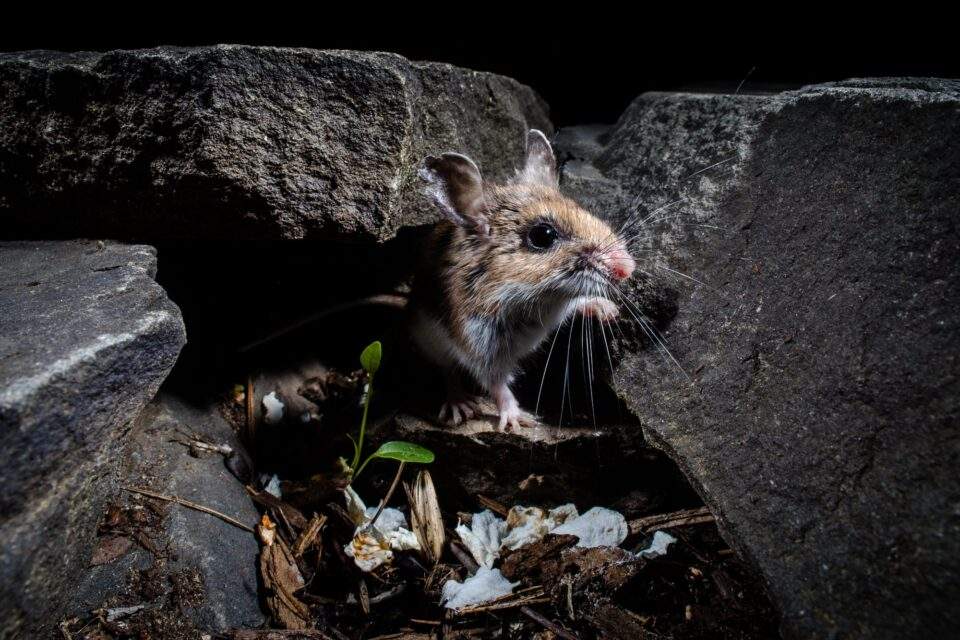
(506, 265)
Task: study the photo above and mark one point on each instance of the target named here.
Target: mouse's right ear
(456, 185)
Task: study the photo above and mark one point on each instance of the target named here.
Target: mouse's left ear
(540, 166)
(455, 184)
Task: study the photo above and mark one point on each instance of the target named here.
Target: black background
(588, 61)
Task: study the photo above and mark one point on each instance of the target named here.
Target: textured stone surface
(240, 142)
(86, 338)
(224, 556)
(820, 422)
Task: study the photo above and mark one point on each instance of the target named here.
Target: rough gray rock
(240, 142)
(820, 421)
(224, 556)
(86, 338)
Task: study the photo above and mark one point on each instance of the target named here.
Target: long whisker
(744, 81)
(650, 331)
(715, 164)
(593, 411)
(566, 378)
(606, 345)
(543, 378)
(683, 275)
(645, 220)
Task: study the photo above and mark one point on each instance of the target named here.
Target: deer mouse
(506, 266)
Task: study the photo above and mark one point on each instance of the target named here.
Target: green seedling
(402, 452)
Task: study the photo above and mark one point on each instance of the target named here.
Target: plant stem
(357, 472)
(396, 481)
(363, 425)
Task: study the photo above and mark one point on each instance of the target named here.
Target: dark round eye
(542, 236)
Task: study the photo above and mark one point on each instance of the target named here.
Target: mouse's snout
(618, 262)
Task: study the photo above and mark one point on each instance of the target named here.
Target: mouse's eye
(542, 236)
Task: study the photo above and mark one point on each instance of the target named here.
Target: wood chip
(281, 578)
(425, 516)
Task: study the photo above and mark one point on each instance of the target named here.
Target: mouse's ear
(456, 185)
(540, 166)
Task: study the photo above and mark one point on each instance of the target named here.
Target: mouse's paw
(513, 417)
(603, 309)
(458, 410)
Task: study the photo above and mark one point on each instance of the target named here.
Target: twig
(682, 518)
(390, 594)
(251, 415)
(194, 443)
(308, 537)
(536, 591)
(393, 487)
(503, 603)
(464, 558)
(489, 503)
(548, 624)
(282, 518)
(191, 505)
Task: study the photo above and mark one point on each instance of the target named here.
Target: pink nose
(619, 263)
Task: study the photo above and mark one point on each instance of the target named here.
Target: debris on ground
(658, 546)
(598, 527)
(373, 544)
(281, 579)
(449, 562)
(482, 587)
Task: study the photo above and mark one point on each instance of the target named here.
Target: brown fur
(472, 268)
(486, 296)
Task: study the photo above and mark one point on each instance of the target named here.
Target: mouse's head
(524, 238)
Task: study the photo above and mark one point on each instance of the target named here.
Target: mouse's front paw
(602, 309)
(514, 417)
(455, 411)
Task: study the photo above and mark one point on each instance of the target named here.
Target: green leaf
(404, 452)
(370, 358)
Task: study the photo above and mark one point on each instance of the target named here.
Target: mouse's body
(508, 265)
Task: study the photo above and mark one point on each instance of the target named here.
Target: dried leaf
(425, 517)
(109, 549)
(281, 578)
(266, 531)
